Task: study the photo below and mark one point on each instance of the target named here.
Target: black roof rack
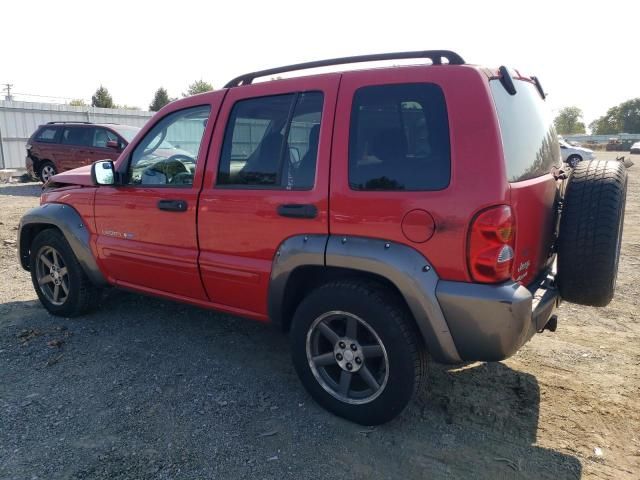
(52, 123)
(436, 57)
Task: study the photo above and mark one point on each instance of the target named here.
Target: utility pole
(7, 87)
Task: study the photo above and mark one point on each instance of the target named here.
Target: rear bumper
(491, 322)
(28, 163)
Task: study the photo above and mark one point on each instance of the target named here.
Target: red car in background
(59, 146)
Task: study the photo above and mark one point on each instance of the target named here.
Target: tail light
(491, 244)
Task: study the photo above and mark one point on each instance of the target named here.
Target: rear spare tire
(591, 232)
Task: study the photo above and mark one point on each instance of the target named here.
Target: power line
(7, 88)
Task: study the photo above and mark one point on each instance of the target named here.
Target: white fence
(18, 120)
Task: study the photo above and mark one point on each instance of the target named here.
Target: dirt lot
(145, 388)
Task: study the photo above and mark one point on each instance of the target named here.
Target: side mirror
(113, 144)
(102, 173)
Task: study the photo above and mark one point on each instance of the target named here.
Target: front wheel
(60, 283)
(357, 351)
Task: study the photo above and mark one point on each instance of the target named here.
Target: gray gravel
(146, 388)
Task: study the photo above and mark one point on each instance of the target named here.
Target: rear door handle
(296, 210)
(173, 205)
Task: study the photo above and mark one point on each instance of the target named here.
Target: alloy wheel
(52, 275)
(347, 357)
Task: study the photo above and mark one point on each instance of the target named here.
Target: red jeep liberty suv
(377, 215)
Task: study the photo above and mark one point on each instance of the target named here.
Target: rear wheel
(46, 171)
(573, 160)
(591, 232)
(357, 351)
(60, 283)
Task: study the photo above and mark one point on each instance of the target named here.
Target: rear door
(269, 158)
(75, 144)
(531, 154)
(147, 224)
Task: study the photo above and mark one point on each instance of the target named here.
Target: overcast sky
(584, 55)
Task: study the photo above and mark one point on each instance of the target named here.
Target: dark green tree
(199, 86)
(102, 98)
(160, 99)
(623, 118)
(569, 121)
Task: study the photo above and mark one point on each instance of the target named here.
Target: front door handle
(173, 205)
(296, 210)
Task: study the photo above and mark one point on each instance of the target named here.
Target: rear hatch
(531, 154)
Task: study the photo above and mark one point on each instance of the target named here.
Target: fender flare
(406, 268)
(66, 219)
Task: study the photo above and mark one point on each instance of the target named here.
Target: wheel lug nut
(342, 345)
(358, 361)
(339, 356)
(349, 366)
(354, 347)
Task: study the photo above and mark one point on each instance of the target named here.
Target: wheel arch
(70, 224)
(304, 262)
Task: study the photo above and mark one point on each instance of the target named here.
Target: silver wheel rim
(47, 172)
(347, 357)
(52, 275)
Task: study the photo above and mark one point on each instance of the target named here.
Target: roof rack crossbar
(70, 121)
(435, 56)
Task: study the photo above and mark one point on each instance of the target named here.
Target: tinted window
(272, 142)
(529, 138)
(80, 136)
(47, 134)
(168, 153)
(399, 138)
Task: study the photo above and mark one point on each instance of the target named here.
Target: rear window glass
(399, 138)
(529, 139)
(47, 134)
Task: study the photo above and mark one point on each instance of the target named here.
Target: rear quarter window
(47, 135)
(529, 139)
(399, 138)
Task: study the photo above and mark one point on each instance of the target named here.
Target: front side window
(78, 136)
(101, 136)
(272, 142)
(168, 153)
(399, 138)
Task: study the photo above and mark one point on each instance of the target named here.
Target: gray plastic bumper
(491, 322)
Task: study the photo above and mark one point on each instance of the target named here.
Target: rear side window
(81, 136)
(529, 139)
(399, 138)
(48, 135)
(272, 142)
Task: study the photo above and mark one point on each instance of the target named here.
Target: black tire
(403, 366)
(574, 160)
(46, 169)
(82, 295)
(591, 232)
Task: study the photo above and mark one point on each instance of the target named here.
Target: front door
(147, 224)
(269, 157)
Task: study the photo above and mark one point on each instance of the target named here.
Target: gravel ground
(146, 388)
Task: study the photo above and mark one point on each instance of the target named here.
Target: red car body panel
(219, 253)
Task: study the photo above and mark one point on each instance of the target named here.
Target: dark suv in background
(59, 146)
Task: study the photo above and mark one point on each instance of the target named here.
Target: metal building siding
(18, 120)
